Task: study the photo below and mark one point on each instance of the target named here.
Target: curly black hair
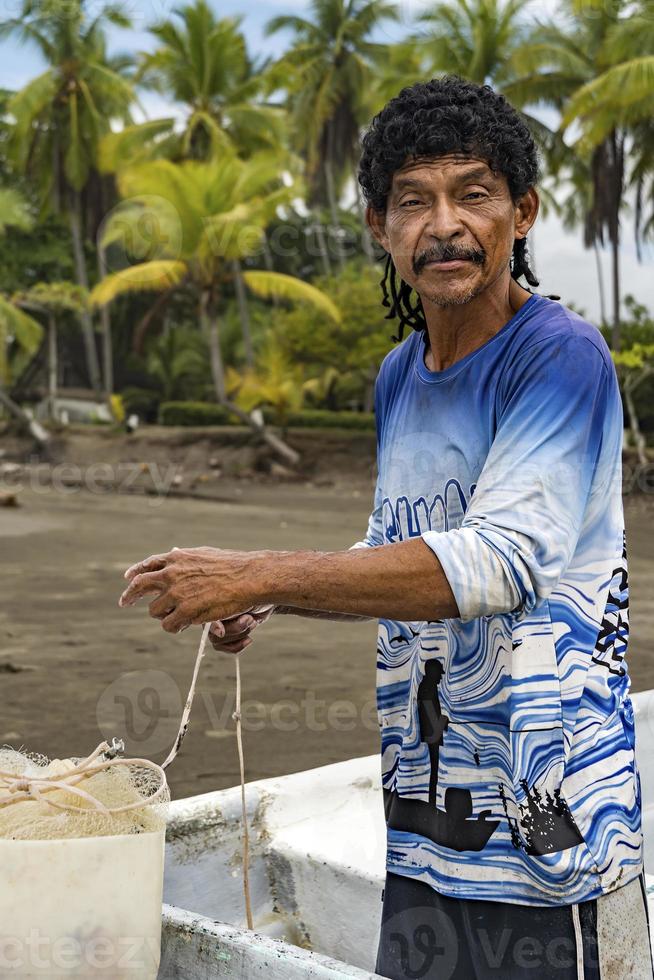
(435, 118)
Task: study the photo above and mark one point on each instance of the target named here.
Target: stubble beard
(454, 298)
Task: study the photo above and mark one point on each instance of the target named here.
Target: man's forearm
(402, 581)
(333, 617)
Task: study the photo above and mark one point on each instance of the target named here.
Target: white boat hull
(317, 872)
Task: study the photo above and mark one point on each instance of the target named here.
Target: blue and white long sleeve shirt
(507, 733)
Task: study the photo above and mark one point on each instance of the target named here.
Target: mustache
(447, 253)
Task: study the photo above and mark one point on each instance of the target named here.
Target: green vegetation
(202, 265)
(200, 413)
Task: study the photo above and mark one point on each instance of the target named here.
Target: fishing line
(236, 715)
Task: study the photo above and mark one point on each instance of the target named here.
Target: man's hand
(402, 581)
(195, 585)
(234, 635)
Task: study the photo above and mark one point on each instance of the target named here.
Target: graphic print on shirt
(545, 824)
(538, 818)
(403, 518)
(450, 827)
(611, 645)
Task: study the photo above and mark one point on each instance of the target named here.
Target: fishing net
(102, 795)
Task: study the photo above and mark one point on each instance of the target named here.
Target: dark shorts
(427, 936)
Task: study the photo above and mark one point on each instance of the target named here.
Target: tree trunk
(366, 240)
(616, 331)
(616, 144)
(210, 325)
(56, 176)
(322, 247)
(92, 362)
(211, 328)
(333, 210)
(369, 396)
(634, 425)
(267, 254)
(105, 323)
(244, 312)
(143, 325)
(268, 261)
(35, 429)
(600, 281)
(275, 443)
(52, 364)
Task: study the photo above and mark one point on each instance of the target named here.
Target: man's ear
(376, 221)
(526, 212)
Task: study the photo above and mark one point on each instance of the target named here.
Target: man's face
(450, 225)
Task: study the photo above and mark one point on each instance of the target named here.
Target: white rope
(246, 841)
(186, 713)
(30, 786)
(236, 715)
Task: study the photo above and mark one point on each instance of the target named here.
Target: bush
(194, 413)
(206, 413)
(323, 419)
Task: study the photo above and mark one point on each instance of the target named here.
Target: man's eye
(409, 201)
(474, 194)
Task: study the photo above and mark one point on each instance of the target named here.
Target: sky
(563, 265)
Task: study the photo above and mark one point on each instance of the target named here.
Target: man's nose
(443, 220)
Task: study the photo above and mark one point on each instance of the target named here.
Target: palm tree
(619, 98)
(472, 38)
(642, 179)
(572, 176)
(401, 65)
(207, 215)
(554, 65)
(61, 115)
(329, 76)
(624, 83)
(201, 63)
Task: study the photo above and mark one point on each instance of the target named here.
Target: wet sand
(74, 668)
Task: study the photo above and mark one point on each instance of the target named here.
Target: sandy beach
(75, 668)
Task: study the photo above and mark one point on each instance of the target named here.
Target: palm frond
(271, 285)
(155, 276)
(14, 210)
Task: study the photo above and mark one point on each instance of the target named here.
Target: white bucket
(84, 907)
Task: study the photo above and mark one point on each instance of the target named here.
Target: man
(495, 561)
